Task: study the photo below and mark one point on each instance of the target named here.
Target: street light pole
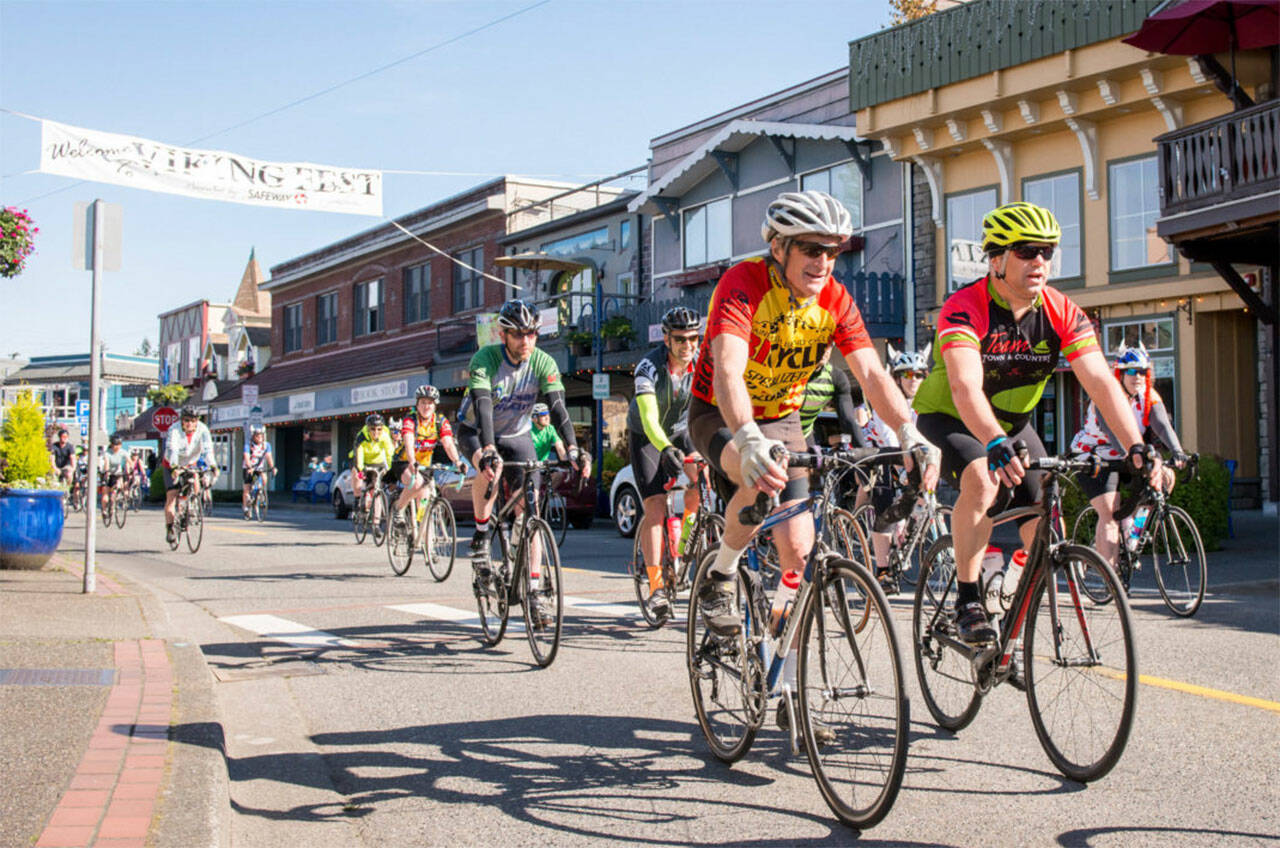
(95, 373)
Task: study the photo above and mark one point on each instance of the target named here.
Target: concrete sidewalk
(109, 733)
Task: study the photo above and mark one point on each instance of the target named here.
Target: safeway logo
(300, 198)
(164, 418)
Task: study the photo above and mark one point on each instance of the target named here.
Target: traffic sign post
(600, 386)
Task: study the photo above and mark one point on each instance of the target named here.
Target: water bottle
(992, 578)
(783, 597)
(1135, 529)
(1017, 563)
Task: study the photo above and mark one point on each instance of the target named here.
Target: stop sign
(164, 418)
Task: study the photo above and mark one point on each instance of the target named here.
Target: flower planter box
(614, 344)
(30, 526)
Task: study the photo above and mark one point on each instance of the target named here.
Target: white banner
(211, 174)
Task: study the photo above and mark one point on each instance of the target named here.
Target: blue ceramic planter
(30, 526)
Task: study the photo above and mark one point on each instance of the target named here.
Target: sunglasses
(916, 375)
(522, 334)
(684, 339)
(1135, 372)
(813, 250)
(1026, 252)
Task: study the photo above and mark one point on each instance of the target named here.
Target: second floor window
(707, 233)
(327, 318)
(844, 183)
(1060, 194)
(293, 327)
(468, 285)
(965, 262)
(417, 282)
(368, 311)
(1134, 199)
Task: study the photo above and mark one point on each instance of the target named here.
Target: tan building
(994, 102)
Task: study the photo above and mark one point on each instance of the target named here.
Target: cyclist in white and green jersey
(494, 418)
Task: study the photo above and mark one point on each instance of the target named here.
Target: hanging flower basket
(17, 240)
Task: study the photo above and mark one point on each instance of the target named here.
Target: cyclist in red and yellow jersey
(997, 345)
(768, 325)
(420, 430)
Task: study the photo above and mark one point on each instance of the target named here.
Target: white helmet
(795, 213)
(908, 360)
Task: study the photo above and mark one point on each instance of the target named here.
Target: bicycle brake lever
(755, 514)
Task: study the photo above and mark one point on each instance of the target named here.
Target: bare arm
(729, 353)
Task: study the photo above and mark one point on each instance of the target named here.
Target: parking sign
(82, 408)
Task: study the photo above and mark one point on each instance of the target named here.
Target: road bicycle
(258, 495)
(554, 509)
(704, 536)
(370, 508)
(74, 502)
(188, 515)
(851, 698)
(914, 521)
(525, 569)
(1171, 537)
(115, 506)
(1079, 664)
(206, 490)
(425, 524)
(134, 496)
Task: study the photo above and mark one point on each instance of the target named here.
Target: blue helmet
(1133, 357)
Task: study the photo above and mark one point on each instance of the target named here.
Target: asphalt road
(380, 719)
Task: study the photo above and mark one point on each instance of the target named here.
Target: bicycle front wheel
(942, 665)
(541, 593)
(262, 503)
(703, 538)
(851, 684)
(377, 517)
(492, 596)
(105, 507)
(400, 539)
(1178, 556)
(440, 544)
(120, 506)
(360, 519)
(640, 580)
(195, 524)
(726, 676)
(1081, 666)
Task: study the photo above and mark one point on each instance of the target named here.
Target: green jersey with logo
(515, 388)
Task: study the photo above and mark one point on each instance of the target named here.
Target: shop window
(467, 284)
(368, 312)
(417, 284)
(1134, 202)
(965, 262)
(293, 327)
(326, 318)
(844, 183)
(1060, 194)
(707, 233)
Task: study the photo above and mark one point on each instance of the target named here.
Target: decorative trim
(933, 173)
(1170, 110)
(1152, 81)
(891, 146)
(728, 163)
(924, 137)
(959, 131)
(1197, 70)
(1087, 134)
(994, 120)
(1109, 91)
(1069, 102)
(1030, 111)
(1003, 153)
(788, 157)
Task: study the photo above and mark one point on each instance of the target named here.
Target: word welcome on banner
(211, 174)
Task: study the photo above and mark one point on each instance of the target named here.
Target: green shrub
(612, 463)
(1205, 500)
(156, 493)
(23, 451)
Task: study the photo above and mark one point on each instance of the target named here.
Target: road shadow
(1086, 836)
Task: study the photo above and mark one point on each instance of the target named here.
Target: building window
(707, 233)
(1134, 201)
(844, 183)
(293, 327)
(1060, 194)
(624, 235)
(965, 262)
(326, 319)
(1157, 336)
(582, 242)
(368, 312)
(467, 284)
(417, 283)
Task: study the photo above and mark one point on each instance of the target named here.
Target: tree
(170, 395)
(905, 11)
(22, 446)
(145, 349)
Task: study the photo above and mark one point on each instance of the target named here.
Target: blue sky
(570, 89)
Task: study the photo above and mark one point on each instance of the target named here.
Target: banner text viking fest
(211, 174)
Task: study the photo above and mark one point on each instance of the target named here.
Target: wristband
(997, 440)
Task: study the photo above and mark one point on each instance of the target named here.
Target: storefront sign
(302, 403)
(134, 390)
(655, 333)
(548, 320)
(233, 412)
(380, 391)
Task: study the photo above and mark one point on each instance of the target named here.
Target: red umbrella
(1195, 27)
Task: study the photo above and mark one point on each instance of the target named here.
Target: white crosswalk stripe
(454, 616)
(278, 629)
(595, 606)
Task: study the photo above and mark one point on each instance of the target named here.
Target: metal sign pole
(95, 369)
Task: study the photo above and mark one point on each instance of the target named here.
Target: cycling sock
(726, 563)
(482, 526)
(655, 577)
(967, 593)
(685, 527)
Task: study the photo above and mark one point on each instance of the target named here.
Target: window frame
(422, 299)
(1076, 281)
(1139, 272)
(707, 259)
(361, 309)
(946, 228)
(294, 328)
(858, 223)
(472, 278)
(329, 321)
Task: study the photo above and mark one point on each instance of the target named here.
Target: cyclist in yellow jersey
(371, 453)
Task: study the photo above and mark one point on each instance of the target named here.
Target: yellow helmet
(1007, 225)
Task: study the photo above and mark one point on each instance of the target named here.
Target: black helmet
(374, 420)
(189, 413)
(431, 393)
(518, 315)
(680, 318)
(116, 440)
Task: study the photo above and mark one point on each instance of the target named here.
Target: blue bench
(314, 487)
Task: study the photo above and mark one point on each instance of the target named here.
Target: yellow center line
(1193, 689)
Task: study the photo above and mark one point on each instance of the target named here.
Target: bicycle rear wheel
(1081, 666)
(195, 524)
(360, 518)
(726, 677)
(378, 511)
(120, 506)
(492, 591)
(557, 516)
(260, 503)
(1085, 532)
(541, 596)
(936, 526)
(851, 682)
(944, 672)
(439, 544)
(400, 539)
(1178, 556)
(703, 538)
(640, 582)
(105, 508)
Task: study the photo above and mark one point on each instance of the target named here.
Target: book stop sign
(164, 418)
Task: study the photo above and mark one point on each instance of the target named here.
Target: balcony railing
(1233, 157)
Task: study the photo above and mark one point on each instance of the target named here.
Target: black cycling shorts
(647, 465)
(510, 448)
(1106, 481)
(710, 434)
(960, 447)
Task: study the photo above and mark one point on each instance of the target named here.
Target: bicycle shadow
(1086, 837)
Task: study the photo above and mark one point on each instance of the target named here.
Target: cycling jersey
(423, 435)
(1096, 437)
(255, 455)
(515, 388)
(62, 454)
(667, 392)
(181, 449)
(826, 384)
(1018, 356)
(115, 462)
(545, 440)
(877, 433)
(785, 337)
(373, 451)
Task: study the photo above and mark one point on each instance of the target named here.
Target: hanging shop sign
(305, 402)
(379, 391)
